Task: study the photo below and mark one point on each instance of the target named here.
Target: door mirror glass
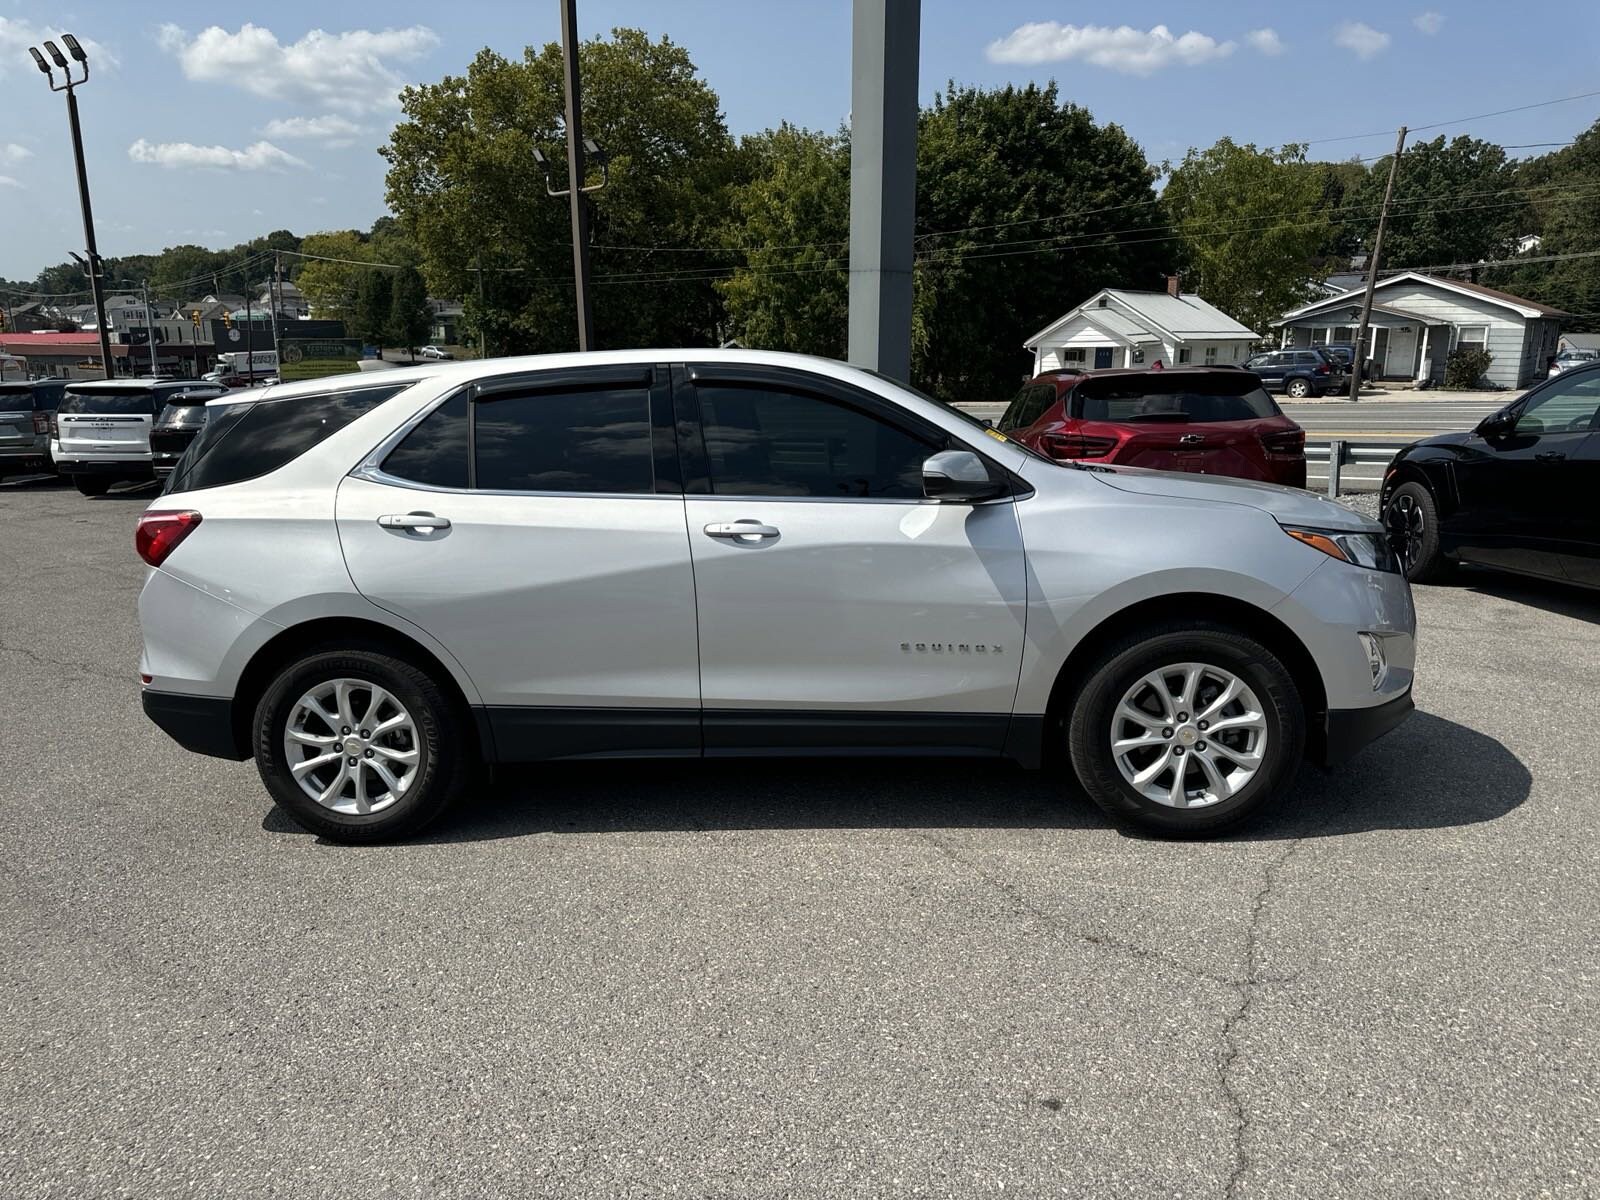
(1496, 425)
(958, 475)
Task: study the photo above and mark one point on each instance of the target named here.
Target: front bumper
(1347, 730)
(202, 724)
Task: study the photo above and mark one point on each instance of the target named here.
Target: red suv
(1208, 420)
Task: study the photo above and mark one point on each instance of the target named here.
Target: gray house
(1417, 320)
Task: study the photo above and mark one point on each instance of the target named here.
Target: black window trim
(689, 377)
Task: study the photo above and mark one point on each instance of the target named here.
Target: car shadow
(1429, 774)
(20, 483)
(1553, 596)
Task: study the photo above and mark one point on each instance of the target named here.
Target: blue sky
(201, 129)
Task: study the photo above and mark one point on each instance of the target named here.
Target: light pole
(95, 266)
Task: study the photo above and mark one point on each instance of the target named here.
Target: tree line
(1026, 205)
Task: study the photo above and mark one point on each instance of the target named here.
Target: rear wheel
(360, 746)
(1187, 729)
(1412, 518)
(1298, 388)
(92, 485)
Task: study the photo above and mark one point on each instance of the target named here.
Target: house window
(1233, 352)
(1211, 356)
(1072, 354)
(1138, 355)
(1183, 354)
(1472, 337)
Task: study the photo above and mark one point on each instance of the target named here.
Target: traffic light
(194, 315)
(227, 320)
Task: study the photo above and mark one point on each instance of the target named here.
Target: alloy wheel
(1406, 524)
(1189, 735)
(351, 746)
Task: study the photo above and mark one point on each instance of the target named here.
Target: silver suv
(374, 585)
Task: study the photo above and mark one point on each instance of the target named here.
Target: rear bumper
(1347, 730)
(202, 724)
(134, 468)
(24, 458)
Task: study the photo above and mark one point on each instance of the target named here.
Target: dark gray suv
(1309, 371)
(25, 411)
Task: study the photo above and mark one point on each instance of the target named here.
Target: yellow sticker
(997, 435)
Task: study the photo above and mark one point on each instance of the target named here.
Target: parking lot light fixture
(56, 56)
(40, 62)
(74, 49)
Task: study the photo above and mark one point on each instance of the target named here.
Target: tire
(1298, 389)
(92, 485)
(1213, 798)
(438, 740)
(1412, 518)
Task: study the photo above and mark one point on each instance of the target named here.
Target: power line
(1355, 137)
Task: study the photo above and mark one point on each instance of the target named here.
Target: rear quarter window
(248, 440)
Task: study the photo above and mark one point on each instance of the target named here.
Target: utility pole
(1357, 366)
(149, 328)
(575, 173)
(483, 337)
(273, 297)
(249, 334)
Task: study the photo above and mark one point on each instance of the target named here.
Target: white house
(1417, 320)
(1119, 328)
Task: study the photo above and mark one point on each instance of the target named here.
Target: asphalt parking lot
(807, 979)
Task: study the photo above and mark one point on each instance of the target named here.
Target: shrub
(1465, 367)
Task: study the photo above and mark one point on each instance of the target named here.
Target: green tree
(790, 224)
(1563, 194)
(464, 187)
(330, 287)
(1252, 228)
(410, 318)
(369, 313)
(1025, 208)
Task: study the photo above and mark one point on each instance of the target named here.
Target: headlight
(1369, 550)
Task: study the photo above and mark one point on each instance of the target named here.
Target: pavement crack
(42, 660)
(1247, 990)
(1062, 928)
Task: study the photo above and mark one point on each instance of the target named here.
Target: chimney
(1173, 289)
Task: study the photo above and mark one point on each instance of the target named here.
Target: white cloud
(350, 72)
(1361, 39)
(17, 36)
(324, 127)
(260, 156)
(10, 152)
(1265, 40)
(7, 181)
(1132, 51)
(1429, 22)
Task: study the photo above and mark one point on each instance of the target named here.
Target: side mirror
(1499, 424)
(958, 475)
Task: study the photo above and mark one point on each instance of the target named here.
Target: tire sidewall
(1298, 389)
(424, 798)
(1431, 561)
(1090, 725)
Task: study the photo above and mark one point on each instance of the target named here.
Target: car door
(1581, 556)
(1519, 504)
(838, 608)
(534, 525)
(1269, 369)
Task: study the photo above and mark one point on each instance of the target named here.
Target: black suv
(175, 427)
(1309, 371)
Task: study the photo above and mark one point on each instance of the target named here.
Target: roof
(1518, 304)
(1182, 317)
(1112, 321)
(1322, 309)
(1582, 341)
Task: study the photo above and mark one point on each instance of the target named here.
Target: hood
(1289, 506)
(1442, 439)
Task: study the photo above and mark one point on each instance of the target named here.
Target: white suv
(100, 435)
(372, 587)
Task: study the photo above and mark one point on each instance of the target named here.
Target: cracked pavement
(773, 979)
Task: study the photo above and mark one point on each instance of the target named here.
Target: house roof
(1182, 317)
(1582, 341)
(1527, 308)
(21, 343)
(1388, 310)
(1120, 326)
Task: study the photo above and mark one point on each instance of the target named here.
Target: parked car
(25, 411)
(1206, 420)
(100, 435)
(491, 564)
(175, 428)
(1298, 373)
(1517, 493)
(1344, 353)
(1569, 359)
(437, 353)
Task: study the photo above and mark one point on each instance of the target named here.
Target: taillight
(1320, 369)
(1076, 445)
(159, 533)
(1292, 442)
(41, 422)
(55, 427)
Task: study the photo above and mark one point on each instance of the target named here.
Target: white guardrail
(1334, 454)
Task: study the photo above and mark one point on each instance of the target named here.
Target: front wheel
(360, 746)
(1412, 519)
(1187, 729)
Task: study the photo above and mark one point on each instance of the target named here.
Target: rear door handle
(421, 521)
(1550, 456)
(748, 532)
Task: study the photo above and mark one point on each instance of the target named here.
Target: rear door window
(248, 440)
(1174, 397)
(589, 440)
(1030, 404)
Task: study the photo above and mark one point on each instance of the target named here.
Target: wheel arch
(340, 633)
(1433, 474)
(1209, 607)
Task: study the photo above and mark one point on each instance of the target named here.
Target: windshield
(1172, 396)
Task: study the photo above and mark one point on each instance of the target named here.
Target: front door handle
(422, 522)
(749, 533)
(1550, 456)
